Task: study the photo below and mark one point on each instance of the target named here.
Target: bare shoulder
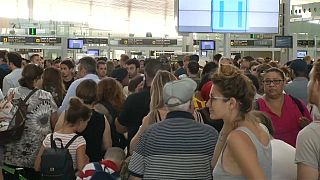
(238, 138)
(146, 119)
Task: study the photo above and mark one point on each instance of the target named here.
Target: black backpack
(56, 163)
(101, 174)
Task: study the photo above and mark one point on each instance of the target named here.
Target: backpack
(56, 163)
(13, 114)
(295, 100)
(101, 174)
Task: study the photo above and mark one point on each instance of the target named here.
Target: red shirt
(88, 171)
(286, 127)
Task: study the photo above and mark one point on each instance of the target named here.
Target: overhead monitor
(283, 42)
(75, 43)
(302, 53)
(93, 52)
(208, 45)
(228, 16)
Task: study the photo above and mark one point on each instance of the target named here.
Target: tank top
(93, 134)
(264, 154)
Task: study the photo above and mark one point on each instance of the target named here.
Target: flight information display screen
(228, 16)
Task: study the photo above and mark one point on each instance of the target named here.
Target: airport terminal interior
(159, 89)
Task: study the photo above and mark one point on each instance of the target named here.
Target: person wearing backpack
(40, 119)
(289, 115)
(77, 117)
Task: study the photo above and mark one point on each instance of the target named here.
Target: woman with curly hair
(243, 150)
(110, 99)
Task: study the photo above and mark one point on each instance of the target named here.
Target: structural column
(226, 45)
(286, 54)
(187, 43)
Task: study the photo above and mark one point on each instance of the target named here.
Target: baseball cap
(178, 92)
(298, 65)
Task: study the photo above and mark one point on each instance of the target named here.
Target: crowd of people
(242, 118)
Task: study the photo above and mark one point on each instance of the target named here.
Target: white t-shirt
(80, 141)
(283, 157)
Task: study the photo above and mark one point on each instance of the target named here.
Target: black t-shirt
(3, 73)
(135, 108)
(68, 83)
(93, 134)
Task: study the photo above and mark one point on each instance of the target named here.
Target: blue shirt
(5, 67)
(72, 90)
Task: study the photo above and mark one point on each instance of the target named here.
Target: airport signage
(26, 39)
(259, 42)
(95, 40)
(309, 43)
(148, 42)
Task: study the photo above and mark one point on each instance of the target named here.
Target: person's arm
(70, 93)
(119, 127)
(37, 162)
(82, 158)
(107, 141)
(54, 119)
(306, 119)
(131, 177)
(244, 153)
(59, 122)
(307, 155)
(136, 137)
(226, 129)
(5, 86)
(307, 172)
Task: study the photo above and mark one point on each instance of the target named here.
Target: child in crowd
(111, 164)
(77, 117)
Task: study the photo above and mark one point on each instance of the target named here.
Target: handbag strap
(97, 167)
(71, 141)
(53, 143)
(30, 94)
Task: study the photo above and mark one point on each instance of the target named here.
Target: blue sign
(229, 15)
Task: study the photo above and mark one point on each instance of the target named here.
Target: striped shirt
(176, 148)
(80, 141)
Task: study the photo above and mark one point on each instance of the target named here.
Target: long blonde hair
(161, 78)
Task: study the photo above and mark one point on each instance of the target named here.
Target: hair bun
(75, 103)
(229, 71)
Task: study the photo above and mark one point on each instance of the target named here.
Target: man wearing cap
(298, 87)
(178, 147)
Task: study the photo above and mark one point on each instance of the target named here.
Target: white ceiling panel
(162, 7)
